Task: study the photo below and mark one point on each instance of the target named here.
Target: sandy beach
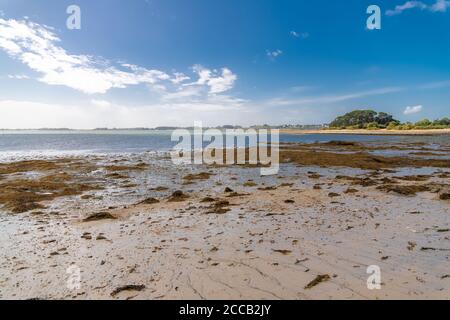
(415, 132)
(143, 228)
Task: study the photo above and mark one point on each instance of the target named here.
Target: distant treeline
(372, 120)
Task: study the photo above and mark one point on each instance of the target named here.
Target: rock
(178, 196)
(99, 216)
(149, 201)
(86, 236)
(444, 196)
(333, 195)
(228, 190)
(250, 184)
(199, 176)
(130, 287)
(319, 279)
(284, 252)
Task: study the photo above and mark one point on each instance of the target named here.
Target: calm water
(16, 144)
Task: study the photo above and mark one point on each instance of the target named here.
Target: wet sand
(143, 228)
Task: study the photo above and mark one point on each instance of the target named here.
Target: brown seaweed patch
(219, 207)
(26, 166)
(23, 195)
(405, 190)
(360, 160)
(198, 176)
(116, 168)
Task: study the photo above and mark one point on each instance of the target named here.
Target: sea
(34, 144)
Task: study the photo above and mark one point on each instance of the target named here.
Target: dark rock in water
(207, 199)
(289, 201)
(341, 143)
(160, 188)
(271, 188)
(333, 194)
(351, 190)
(178, 196)
(228, 190)
(199, 176)
(317, 187)
(130, 287)
(149, 201)
(99, 216)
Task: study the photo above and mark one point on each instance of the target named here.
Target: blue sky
(173, 62)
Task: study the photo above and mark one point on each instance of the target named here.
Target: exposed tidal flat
(140, 227)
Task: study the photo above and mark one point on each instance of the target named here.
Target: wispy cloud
(274, 54)
(335, 98)
(18, 76)
(412, 110)
(302, 35)
(438, 6)
(436, 85)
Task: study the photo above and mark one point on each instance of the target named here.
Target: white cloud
(274, 54)
(217, 82)
(179, 77)
(438, 6)
(37, 47)
(412, 110)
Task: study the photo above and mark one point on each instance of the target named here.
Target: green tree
(423, 123)
(362, 118)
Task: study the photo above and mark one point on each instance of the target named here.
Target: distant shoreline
(380, 132)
